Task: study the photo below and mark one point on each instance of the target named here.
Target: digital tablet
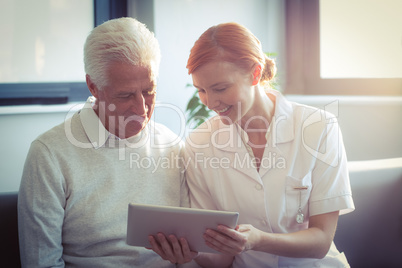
(190, 223)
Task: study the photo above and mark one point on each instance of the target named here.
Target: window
(41, 58)
(344, 47)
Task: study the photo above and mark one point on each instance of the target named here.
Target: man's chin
(133, 129)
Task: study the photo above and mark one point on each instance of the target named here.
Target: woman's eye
(220, 89)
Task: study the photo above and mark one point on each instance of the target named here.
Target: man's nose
(138, 104)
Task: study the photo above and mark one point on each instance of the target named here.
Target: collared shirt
(303, 168)
(96, 131)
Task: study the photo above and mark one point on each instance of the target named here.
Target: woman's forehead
(213, 73)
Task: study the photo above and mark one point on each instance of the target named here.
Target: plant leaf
(271, 54)
(203, 112)
(193, 103)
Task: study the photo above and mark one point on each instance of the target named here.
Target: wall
(371, 125)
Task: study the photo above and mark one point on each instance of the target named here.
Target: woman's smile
(224, 111)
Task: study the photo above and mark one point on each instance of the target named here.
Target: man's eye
(149, 92)
(220, 89)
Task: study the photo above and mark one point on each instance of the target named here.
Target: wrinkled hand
(232, 241)
(177, 251)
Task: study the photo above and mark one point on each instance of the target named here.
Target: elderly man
(80, 176)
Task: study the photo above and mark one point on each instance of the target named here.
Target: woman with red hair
(280, 164)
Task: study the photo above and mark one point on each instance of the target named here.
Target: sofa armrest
(9, 245)
(371, 236)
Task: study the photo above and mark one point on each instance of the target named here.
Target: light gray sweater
(76, 187)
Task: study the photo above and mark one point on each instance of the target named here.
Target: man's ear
(91, 86)
(257, 75)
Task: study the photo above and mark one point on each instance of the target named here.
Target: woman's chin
(226, 120)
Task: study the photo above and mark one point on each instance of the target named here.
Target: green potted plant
(196, 111)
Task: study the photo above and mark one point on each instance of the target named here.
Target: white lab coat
(304, 165)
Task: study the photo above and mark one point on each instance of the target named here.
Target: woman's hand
(313, 242)
(177, 251)
(232, 241)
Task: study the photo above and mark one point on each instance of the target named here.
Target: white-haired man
(80, 176)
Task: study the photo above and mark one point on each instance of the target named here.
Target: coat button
(258, 186)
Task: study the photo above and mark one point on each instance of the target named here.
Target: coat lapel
(227, 138)
(281, 131)
(229, 141)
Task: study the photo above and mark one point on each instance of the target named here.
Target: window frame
(303, 59)
(60, 92)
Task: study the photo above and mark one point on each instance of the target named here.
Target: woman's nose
(211, 101)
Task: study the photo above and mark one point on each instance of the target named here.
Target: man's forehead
(123, 71)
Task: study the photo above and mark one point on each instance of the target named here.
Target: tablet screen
(190, 223)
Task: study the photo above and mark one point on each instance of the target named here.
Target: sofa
(9, 249)
(371, 236)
